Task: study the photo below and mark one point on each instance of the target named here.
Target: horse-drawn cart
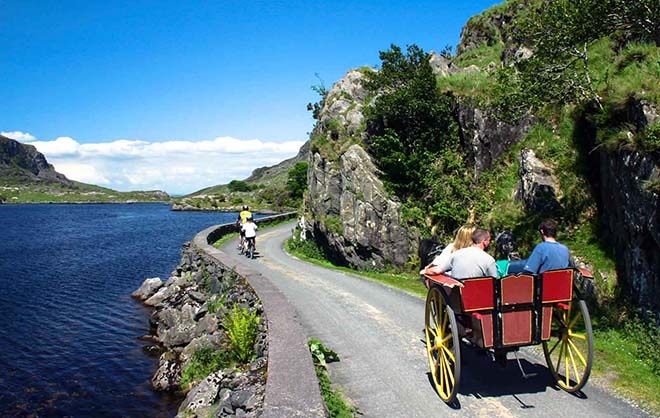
(502, 315)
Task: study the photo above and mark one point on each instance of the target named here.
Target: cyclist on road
(240, 221)
(249, 229)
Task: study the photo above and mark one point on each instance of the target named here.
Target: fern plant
(242, 327)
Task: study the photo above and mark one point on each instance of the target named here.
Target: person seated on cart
(549, 254)
(463, 239)
(472, 261)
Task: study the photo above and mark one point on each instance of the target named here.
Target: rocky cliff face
(631, 211)
(24, 161)
(485, 137)
(539, 188)
(352, 215)
(632, 214)
(359, 223)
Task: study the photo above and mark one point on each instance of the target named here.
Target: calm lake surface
(69, 330)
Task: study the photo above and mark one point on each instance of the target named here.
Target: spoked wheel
(442, 345)
(570, 350)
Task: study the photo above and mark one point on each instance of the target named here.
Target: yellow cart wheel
(570, 350)
(442, 345)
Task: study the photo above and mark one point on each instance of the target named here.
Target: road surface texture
(378, 333)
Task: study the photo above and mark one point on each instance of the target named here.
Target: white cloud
(18, 136)
(177, 167)
(61, 146)
(83, 172)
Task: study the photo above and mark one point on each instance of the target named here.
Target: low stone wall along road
(378, 333)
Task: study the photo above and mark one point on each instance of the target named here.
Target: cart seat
(557, 289)
(517, 307)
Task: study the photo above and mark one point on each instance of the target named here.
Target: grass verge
(307, 251)
(617, 366)
(332, 397)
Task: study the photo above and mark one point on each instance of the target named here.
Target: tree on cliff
(413, 136)
(561, 33)
(296, 182)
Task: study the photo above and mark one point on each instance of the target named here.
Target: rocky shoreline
(182, 323)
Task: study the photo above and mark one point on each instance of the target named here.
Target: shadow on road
(481, 377)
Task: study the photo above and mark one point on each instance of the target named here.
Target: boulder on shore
(148, 288)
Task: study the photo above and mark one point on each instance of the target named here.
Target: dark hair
(479, 235)
(245, 207)
(548, 228)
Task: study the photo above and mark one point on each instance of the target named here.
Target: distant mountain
(265, 174)
(27, 177)
(275, 175)
(21, 164)
(264, 190)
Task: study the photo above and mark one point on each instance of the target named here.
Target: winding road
(378, 334)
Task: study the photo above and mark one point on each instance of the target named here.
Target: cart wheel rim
(442, 346)
(569, 352)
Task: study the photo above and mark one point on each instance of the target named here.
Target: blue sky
(77, 77)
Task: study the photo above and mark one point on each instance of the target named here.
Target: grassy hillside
(78, 193)
(619, 68)
(266, 190)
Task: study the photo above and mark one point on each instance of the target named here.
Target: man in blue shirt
(549, 254)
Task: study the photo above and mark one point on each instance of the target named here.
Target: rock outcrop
(539, 188)
(352, 214)
(630, 210)
(486, 137)
(359, 222)
(632, 215)
(342, 110)
(25, 162)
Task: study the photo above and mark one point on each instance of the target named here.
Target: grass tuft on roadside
(337, 405)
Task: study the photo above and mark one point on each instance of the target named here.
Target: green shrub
(321, 354)
(307, 248)
(242, 328)
(204, 361)
(333, 225)
(643, 330)
(238, 186)
(297, 179)
(649, 140)
(215, 303)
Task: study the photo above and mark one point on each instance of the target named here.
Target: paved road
(378, 333)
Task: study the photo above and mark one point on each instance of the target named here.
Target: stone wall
(186, 318)
(279, 382)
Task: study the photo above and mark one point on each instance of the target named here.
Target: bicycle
(241, 245)
(249, 247)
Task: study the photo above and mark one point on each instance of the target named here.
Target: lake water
(69, 330)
